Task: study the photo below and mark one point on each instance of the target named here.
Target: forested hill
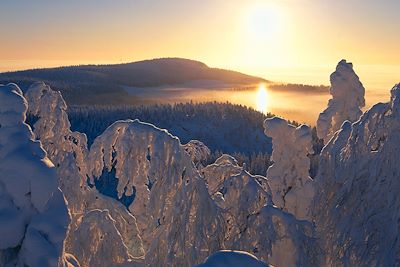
(223, 127)
(103, 84)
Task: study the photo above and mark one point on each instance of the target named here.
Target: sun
(264, 22)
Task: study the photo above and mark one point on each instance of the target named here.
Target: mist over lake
(301, 106)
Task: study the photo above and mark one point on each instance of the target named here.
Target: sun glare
(262, 98)
(263, 22)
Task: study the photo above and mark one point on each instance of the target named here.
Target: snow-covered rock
(33, 213)
(347, 100)
(231, 258)
(292, 188)
(357, 209)
(68, 150)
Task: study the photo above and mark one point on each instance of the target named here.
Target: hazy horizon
(287, 41)
(374, 77)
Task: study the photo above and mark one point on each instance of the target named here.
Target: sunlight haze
(289, 41)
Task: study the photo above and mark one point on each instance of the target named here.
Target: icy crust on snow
(231, 258)
(68, 150)
(292, 188)
(347, 100)
(33, 213)
(358, 206)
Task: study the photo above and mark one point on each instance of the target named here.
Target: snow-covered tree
(198, 152)
(357, 209)
(33, 213)
(292, 188)
(251, 221)
(97, 241)
(180, 221)
(68, 150)
(171, 200)
(347, 100)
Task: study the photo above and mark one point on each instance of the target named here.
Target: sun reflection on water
(262, 98)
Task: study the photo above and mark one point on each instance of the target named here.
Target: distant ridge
(102, 84)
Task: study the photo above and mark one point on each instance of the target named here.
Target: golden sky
(285, 40)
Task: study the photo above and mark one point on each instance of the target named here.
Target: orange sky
(285, 40)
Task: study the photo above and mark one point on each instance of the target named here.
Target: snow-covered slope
(33, 213)
(347, 100)
(357, 209)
